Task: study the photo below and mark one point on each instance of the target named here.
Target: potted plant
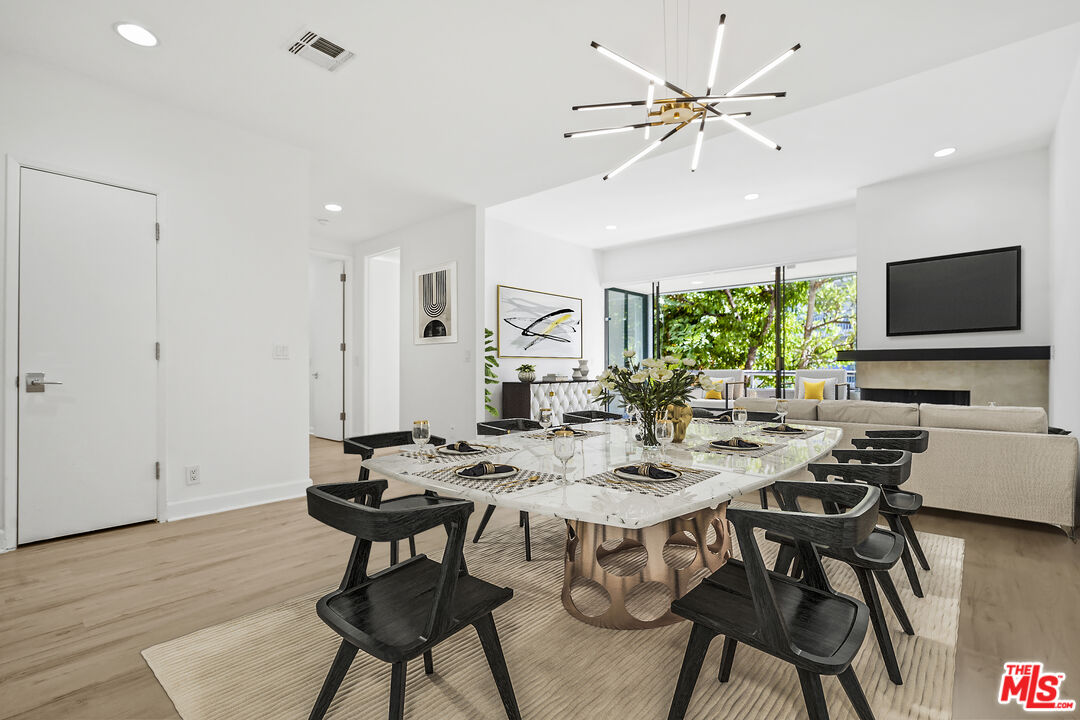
(649, 387)
(526, 372)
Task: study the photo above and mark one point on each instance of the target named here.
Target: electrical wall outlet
(191, 475)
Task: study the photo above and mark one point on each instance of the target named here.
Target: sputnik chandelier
(685, 109)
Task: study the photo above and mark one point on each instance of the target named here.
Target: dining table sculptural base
(626, 579)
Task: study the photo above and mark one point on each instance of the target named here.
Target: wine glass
(421, 433)
(545, 418)
(665, 433)
(781, 409)
(738, 416)
(563, 446)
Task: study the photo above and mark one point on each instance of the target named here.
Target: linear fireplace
(937, 397)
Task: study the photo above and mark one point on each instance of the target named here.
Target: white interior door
(87, 319)
(326, 303)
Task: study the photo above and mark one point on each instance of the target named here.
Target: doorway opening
(328, 342)
(382, 341)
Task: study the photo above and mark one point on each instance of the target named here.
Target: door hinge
(342, 347)
(342, 416)
(157, 351)
(342, 277)
(157, 471)
(157, 232)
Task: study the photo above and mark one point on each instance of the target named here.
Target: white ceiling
(1002, 100)
(466, 102)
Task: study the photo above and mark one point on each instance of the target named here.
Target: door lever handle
(36, 382)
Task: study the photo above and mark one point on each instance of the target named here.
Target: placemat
(806, 433)
(690, 476)
(763, 450)
(728, 423)
(520, 480)
(489, 451)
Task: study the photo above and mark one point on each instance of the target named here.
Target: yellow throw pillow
(813, 389)
(716, 394)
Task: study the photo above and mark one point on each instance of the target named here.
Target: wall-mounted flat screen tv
(968, 292)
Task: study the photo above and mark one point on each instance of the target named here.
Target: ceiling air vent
(319, 50)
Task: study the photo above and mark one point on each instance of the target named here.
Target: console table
(524, 400)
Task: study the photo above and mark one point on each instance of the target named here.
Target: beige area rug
(271, 664)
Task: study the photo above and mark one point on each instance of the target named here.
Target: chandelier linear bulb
(687, 107)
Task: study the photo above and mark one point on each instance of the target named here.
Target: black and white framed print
(435, 312)
(537, 324)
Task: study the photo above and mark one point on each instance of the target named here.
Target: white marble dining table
(609, 445)
(631, 547)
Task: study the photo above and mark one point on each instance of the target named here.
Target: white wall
(978, 206)
(439, 383)
(382, 343)
(1065, 263)
(816, 235)
(526, 259)
(232, 273)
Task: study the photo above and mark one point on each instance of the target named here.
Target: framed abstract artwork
(535, 324)
(435, 311)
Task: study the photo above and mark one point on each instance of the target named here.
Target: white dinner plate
(446, 450)
(757, 446)
(492, 476)
(638, 478)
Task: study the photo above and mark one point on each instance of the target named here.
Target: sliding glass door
(627, 320)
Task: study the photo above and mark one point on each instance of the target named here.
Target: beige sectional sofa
(996, 461)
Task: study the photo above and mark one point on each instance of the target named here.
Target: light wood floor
(75, 613)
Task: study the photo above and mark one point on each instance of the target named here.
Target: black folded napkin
(648, 470)
(485, 468)
(735, 442)
(462, 446)
(785, 428)
(723, 418)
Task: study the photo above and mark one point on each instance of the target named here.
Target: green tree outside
(734, 327)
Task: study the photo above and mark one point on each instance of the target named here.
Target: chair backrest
(507, 426)
(366, 445)
(576, 417)
(888, 468)
(914, 441)
(354, 508)
(837, 376)
(850, 517)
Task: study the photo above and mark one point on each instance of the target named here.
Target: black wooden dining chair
(898, 506)
(805, 623)
(870, 559)
(506, 427)
(404, 611)
(577, 417)
(365, 446)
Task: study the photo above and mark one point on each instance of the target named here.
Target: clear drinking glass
(421, 433)
(665, 433)
(545, 418)
(738, 416)
(781, 410)
(563, 446)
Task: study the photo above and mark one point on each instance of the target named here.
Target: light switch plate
(280, 352)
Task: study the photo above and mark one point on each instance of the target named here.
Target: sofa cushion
(802, 409)
(756, 404)
(982, 417)
(868, 412)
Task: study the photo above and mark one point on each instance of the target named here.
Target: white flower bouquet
(649, 386)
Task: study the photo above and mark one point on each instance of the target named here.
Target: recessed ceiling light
(136, 34)
(332, 207)
(611, 227)
(751, 196)
(945, 152)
